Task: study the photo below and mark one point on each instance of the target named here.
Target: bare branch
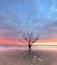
(28, 34)
(24, 42)
(30, 38)
(31, 35)
(35, 39)
(25, 38)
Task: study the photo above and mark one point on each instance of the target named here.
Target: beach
(13, 55)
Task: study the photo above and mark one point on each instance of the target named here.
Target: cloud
(8, 29)
(19, 16)
(49, 31)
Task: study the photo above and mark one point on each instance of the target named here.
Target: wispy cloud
(19, 16)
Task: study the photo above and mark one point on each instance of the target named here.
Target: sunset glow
(46, 44)
(17, 17)
(23, 42)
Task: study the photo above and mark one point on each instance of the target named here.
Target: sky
(21, 16)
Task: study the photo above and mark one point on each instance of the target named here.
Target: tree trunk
(29, 48)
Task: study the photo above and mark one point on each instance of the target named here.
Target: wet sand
(46, 56)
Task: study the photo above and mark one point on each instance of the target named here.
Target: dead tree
(33, 57)
(30, 54)
(30, 39)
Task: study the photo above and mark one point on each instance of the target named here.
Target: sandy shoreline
(10, 56)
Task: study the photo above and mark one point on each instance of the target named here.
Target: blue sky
(20, 16)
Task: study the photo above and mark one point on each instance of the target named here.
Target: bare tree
(30, 39)
(33, 57)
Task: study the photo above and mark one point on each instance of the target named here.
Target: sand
(15, 56)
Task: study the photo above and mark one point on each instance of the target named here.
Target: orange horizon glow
(22, 42)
